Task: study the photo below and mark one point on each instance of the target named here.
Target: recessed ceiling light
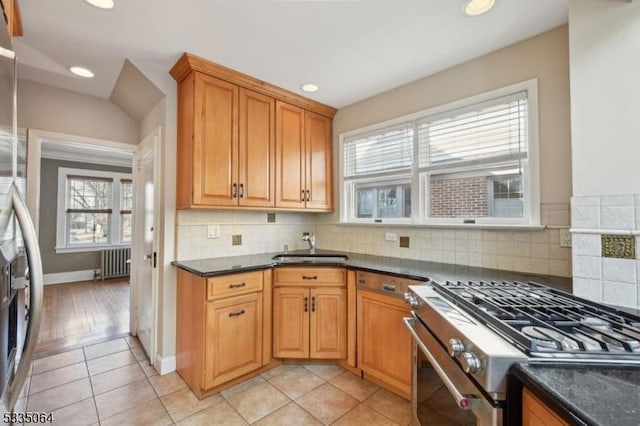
(310, 87)
(101, 4)
(478, 7)
(82, 72)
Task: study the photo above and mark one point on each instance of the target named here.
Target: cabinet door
(290, 156)
(215, 142)
(536, 413)
(291, 323)
(384, 345)
(233, 338)
(318, 161)
(256, 177)
(328, 328)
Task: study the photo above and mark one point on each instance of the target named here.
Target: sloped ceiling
(134, 93)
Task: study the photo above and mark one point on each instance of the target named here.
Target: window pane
(458, 196)
(508, 198)
(86, 193)
(477, 194)
(387, 150)
(366, 202)
(126, 193)
(385, 201)
(88, 228)
(126, 227)
(495, 130)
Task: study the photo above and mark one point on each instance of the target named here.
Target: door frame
(152, 142)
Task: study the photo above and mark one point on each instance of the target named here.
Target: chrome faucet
(311, 239)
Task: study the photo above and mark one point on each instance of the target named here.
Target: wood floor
(83, 312)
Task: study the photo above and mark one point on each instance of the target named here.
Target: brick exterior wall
(464, 197)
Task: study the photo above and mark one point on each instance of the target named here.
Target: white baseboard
(165, 365)
(69, 277)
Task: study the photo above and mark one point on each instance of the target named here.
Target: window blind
(497, 128)
(386, 150)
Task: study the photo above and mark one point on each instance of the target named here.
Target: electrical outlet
(404, 242)
(236, 240)
(390, 236)
(213, 231)
(565, 238)
(271, 218)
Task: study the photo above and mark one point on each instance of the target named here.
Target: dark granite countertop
(409, 268)
(585, 395)
(591, 395)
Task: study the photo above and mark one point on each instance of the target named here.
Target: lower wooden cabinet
(233, 338)
(384, 344)
(536, 413)
(310, 323)
(223, 327)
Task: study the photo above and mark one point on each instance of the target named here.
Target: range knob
(456, 347)
(470, 363)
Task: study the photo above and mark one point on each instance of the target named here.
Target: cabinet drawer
(306, 276)
(231, 285)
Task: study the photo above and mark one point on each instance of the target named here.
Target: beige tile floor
(111, 383)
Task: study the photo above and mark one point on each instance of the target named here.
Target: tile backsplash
(258, 235)
(607, 278)
(536, 251)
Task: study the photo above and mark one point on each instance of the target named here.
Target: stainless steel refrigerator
(20, 263)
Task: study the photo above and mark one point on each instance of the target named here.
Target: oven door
(434, 369)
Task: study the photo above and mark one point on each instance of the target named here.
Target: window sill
(63, 250)
(492, 226)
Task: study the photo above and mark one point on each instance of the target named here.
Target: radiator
(114, 263)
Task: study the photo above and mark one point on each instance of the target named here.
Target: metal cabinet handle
(308, 195)
(306, 304)
(35, 296)
(237, 285)
(234, 190)
(237, 313)
(303, 197)
(463, 402)
(242, 190)
(313, 304)
(307, 277)
(389, 288)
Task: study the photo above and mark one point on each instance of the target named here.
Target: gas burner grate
(542, 320)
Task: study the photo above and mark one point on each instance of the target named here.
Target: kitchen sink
(310, 258)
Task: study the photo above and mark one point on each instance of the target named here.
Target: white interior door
(144, 253)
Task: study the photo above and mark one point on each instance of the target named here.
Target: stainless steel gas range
(471, 333)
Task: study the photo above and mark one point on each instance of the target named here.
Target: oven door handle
(464, 402)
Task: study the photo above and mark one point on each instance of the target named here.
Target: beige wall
(545, 57)
(58, 110)
(155, 118)
(605, 85)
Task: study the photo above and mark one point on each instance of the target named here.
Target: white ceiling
(352, 49)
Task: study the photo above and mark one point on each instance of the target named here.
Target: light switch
(213, 231)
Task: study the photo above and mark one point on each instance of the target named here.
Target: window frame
(420, 177)
(115, 222)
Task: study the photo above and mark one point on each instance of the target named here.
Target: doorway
(97, 310)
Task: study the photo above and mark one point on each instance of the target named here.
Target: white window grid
(419, 177)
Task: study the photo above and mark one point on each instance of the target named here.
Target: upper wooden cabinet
(12, 15)
(303, 163)
(245, 143)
